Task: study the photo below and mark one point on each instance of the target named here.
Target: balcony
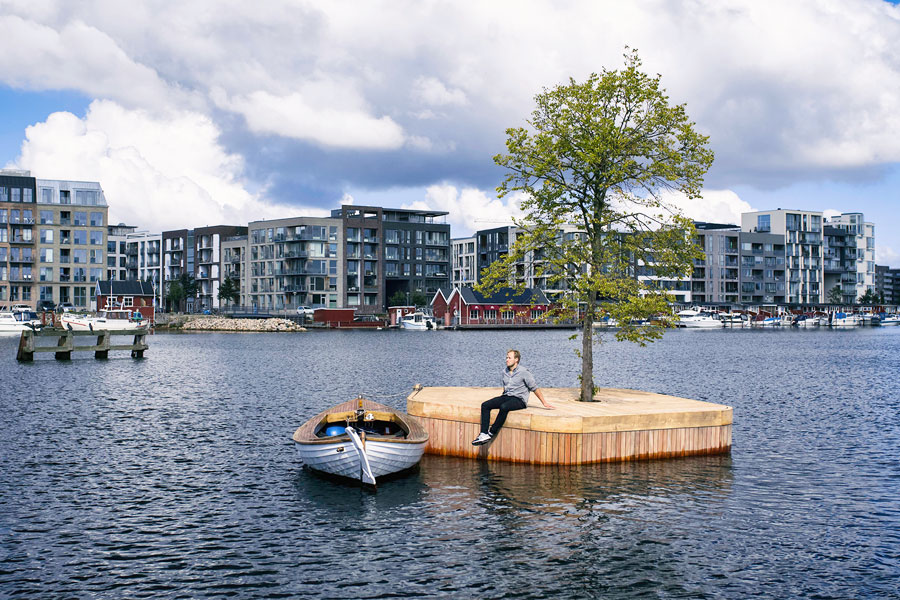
(21, 260)
(17, 239)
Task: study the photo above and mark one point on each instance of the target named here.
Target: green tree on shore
(835, 296)
(229, 290)
(602, 154)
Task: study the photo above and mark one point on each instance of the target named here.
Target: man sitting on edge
(518, 383)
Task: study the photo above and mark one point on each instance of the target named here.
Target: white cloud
(295, 116)
(885, 255)
(716, 206)
(433, 92)
(158, 171)
(76, 56)
(470, 209)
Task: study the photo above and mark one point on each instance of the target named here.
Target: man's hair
(515, 353)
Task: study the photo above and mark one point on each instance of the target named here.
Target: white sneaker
(483, 438)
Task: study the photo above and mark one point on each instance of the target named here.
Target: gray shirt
(519, 383)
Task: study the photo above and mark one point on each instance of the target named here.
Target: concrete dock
(623, 425)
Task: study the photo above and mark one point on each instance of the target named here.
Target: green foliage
(835, 296)
(230, 290)
(398, 298)
(601, 155)
(175, 295)
(418, 299)
(869, 297)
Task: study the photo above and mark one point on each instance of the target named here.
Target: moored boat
(693, 318)
(14, 323)
(890, 319)
(418, 321)
(360, 440)
(841, 319)
(105, 319)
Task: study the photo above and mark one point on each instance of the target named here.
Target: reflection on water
(175, 476)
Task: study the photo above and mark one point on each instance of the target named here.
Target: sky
(223, 112)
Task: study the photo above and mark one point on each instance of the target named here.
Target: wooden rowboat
(360, 440)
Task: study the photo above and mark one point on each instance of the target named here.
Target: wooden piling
(65, 343)
(623, 425)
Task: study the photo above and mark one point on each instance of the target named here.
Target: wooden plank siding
(627, 425)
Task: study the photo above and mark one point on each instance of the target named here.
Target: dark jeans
(505, 404)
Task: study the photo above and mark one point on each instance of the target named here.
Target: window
(96, 219)
(80, 296)
(96, 257)
(15, 194)
(47, 195)
(3, 217)
(507, 314)
(46, 255)
(46, 217)
(87, 197)
(79, 236)
(127, 301)
(764, 223)
(46, 236)
(79, 256)
(473, 313)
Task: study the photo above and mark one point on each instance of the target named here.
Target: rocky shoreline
(207, 323)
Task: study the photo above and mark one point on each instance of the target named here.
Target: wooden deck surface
(623, 425)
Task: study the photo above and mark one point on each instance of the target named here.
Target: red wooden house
(505, 308)
(133, 296)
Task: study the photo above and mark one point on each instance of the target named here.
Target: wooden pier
(65, 343)
(623, 425)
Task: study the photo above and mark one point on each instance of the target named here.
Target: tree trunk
(587, 358)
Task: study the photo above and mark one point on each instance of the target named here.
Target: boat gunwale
(306, 433)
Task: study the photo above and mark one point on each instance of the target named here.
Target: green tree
(175, 294)
(229, 290)
(398, 298)
(602, 155)
(869, 297)
(418, 299)
(188, 285)
(835, 296)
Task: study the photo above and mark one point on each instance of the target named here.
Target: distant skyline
(203, 113)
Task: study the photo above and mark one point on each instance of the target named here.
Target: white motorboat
(890, 319)
(360, 440)
(14, 323)
(418, 321)
(840, 319)
(105, 319)
(605, 322)
(692, 318)
(731, 319)
(807, 321)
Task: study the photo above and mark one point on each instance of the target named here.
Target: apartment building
(465, 267)
(887, 284)
(52, 240)
(852, 253)
(803, 244)
(391, 250)
(286, 263)
(135, 256)
(196, 252)
(715, 278)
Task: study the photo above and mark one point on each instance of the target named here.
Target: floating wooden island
(622, 425)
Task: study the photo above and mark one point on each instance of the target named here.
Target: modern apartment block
(852, 255)
(196, 252)
(135, 256)
(52, 240)
(286, 263)
(887, 284)
(465, 267)
(763, 271)
(391, 250)
(803, 243)
(715, 278)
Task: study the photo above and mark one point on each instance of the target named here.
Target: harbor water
(175, 477)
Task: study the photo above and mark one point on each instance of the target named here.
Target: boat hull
(340, 458)
(700, 324)
(394, 442)
(94, 324)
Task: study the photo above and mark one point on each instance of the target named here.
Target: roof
(124, 288)
(503, 296)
